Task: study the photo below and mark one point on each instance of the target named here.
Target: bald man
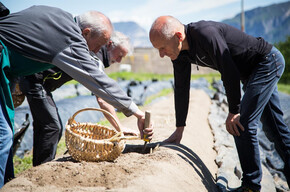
(238, 57)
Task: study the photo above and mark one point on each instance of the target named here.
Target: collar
(104, 55)
(189, 32)
(77, 21)
(107, 56)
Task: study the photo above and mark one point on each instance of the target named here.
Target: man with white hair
(238, 57)
(37, 88)
(113, 52)
(117, 48)
(41, 37)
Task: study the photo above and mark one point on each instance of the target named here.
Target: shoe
(244, 189)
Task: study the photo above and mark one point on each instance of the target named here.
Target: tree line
(284, 47)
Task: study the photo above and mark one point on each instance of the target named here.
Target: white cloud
(149, 10)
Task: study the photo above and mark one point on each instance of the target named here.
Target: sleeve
(219, 52)
(100, 54)
(77, 62)
(182, 72)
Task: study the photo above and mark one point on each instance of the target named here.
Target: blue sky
(145, 11)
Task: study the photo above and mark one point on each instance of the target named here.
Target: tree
(284, 47)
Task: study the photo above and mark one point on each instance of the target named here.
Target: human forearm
(114, 122)
(84, 70)
(182, 71)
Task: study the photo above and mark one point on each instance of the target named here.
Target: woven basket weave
(94, 142)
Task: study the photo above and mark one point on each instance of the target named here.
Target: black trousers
(47, 125)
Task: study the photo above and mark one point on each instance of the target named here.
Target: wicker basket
(94, 142)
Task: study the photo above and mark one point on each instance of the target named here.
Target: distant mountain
(138, 35)
(271, 22)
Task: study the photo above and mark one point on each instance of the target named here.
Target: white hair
(120, 39)
(96, 21)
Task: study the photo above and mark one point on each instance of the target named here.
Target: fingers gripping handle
(147, 123)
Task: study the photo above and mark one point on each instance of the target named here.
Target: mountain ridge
(270, 22)
(139, 36)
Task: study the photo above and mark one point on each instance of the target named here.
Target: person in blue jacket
(238, 57)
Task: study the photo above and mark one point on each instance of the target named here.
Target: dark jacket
(104, 56)
(50, 37)
(221, 47)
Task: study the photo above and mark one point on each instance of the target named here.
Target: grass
(150, 76)
(61, 146)
(134, 76)
(163, 92)
(22, 164)
(140, 76)
(120, 115)
(107, 123)
(283, 87)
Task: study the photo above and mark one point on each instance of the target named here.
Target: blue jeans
(6, 140)
(261, 97)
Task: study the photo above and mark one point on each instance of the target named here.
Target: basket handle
(71, 119)
(119, 136)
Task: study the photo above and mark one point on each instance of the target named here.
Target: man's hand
(141, 122)
(176, 136)
(128, 131)
(233, 124)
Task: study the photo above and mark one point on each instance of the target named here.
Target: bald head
(164, 27)
(168, 36)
